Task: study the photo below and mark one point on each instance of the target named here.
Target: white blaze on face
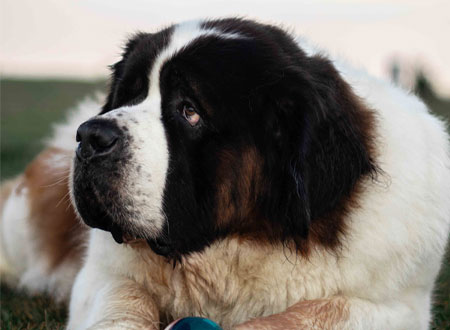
(145, 176)
(183, 35)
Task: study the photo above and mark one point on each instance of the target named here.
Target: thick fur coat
(239, 174)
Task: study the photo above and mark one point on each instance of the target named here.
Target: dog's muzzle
(99, 160)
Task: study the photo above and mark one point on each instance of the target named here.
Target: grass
(20, 311)
(27, 110)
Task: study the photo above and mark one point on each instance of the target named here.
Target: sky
(80, 38)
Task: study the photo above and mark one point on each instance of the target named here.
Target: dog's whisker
(56, 183)
(64, 199)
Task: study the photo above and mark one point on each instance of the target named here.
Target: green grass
(441, 307)
(28, 108)
(20, 311)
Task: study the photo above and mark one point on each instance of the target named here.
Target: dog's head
(221, 128)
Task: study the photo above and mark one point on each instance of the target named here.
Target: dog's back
(41, 239)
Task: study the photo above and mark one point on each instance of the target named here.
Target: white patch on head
(145, 177)
(183, 35)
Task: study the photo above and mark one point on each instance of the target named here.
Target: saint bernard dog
(239, 174)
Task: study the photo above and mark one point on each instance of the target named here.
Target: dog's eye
(189, 113)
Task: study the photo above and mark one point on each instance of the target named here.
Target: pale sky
(80, 38)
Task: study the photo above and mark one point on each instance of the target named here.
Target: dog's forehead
(183, 35)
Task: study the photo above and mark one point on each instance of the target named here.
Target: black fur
(129, 83)
(259, 92)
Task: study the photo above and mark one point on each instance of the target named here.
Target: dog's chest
(231, 282)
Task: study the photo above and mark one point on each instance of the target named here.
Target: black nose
(97, 137)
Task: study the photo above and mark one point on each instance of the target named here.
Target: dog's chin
(118, 233)
(160, 246)
(93, 213)
(91, 216)
(122, 236)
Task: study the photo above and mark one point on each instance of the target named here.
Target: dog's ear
(320, 144)
(129, 79)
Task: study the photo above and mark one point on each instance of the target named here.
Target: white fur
(21, 261)
(64, 133)
(391, 254)
(146, 172)
(14, 231)
(390, 259)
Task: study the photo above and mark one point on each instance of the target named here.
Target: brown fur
(240, 180)
(327, 230)
(237, 186)
(58, 231)
(318, 314)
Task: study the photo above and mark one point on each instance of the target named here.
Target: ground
(27, 110)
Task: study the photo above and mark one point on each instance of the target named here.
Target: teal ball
(195, 323)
